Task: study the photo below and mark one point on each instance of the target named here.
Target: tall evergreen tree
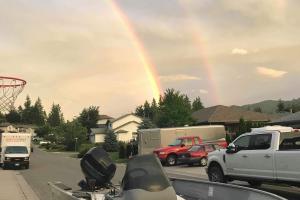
(147, 124)
(154, 109)
(147, 110)
(110, 142)
(89, 117)
(197, 104)
(38, 113)
(139, 111)
(55, 117)
(27, 113)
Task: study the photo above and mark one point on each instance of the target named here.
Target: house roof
(104, 117)
(295, 117)
(123, 116)
(6, 124)
(232, 114)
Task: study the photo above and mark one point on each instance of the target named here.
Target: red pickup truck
(168, 155)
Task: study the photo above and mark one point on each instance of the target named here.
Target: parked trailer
(150, 139)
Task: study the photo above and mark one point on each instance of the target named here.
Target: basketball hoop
(10, 88)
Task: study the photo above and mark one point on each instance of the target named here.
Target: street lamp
(76, 143)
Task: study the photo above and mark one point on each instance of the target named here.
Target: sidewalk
(14, 187)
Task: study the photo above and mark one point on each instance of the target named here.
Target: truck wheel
(215, 174)
(203, 162)
(171, 160)
(255, 183)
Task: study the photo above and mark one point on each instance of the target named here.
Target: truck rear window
(289, 141)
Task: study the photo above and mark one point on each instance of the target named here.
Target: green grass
(115, 157)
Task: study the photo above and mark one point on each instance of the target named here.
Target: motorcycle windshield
(146, 173)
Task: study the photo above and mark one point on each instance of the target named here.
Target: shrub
(122, 150)
(110, 142)
(131, 149)
(84, 148)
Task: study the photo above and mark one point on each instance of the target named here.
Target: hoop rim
(23, 82)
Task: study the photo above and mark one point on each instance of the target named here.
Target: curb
(24, 187)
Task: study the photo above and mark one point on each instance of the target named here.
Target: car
(197, 154)
(268, 154)
(168, 155)
(44, 142)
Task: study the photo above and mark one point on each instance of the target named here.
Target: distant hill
(270, 106)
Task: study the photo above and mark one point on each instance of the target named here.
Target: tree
(139, 111)
(197, 104)
(43, 131)
(258, 109)
(55, 117)
(246, 126)
(73, 134)
(89, 117)
(174, 110)
(13, 117)
(280, 106)
(27, 113)
(147, 124)
(110, 142)
(147, 110)
(38, 113)
(2, 118)
(153, 109)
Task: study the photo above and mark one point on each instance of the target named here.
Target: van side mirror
(231, 149)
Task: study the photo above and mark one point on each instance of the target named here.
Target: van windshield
(16, 150)
(176, 142)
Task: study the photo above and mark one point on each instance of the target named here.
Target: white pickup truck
(268, 154)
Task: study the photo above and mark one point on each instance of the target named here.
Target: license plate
(17, 164)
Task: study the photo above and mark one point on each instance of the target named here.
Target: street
(62, 167)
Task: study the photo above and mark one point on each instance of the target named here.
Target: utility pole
(76, 144)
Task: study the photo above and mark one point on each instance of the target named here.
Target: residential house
(14, 128)
(292, 120)
(125, 128)
(229, 117)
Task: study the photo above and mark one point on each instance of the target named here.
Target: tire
(255, 183)
(203, 162)
(191, 164)
(215, 174)
(171, 160)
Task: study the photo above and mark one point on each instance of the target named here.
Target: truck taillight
(26, 158)
(7, 158)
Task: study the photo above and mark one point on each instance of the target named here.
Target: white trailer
(150, 139)
(15, 149)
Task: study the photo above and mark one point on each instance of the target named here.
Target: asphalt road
(53, 167)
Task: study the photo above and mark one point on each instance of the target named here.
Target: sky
(117, 54)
